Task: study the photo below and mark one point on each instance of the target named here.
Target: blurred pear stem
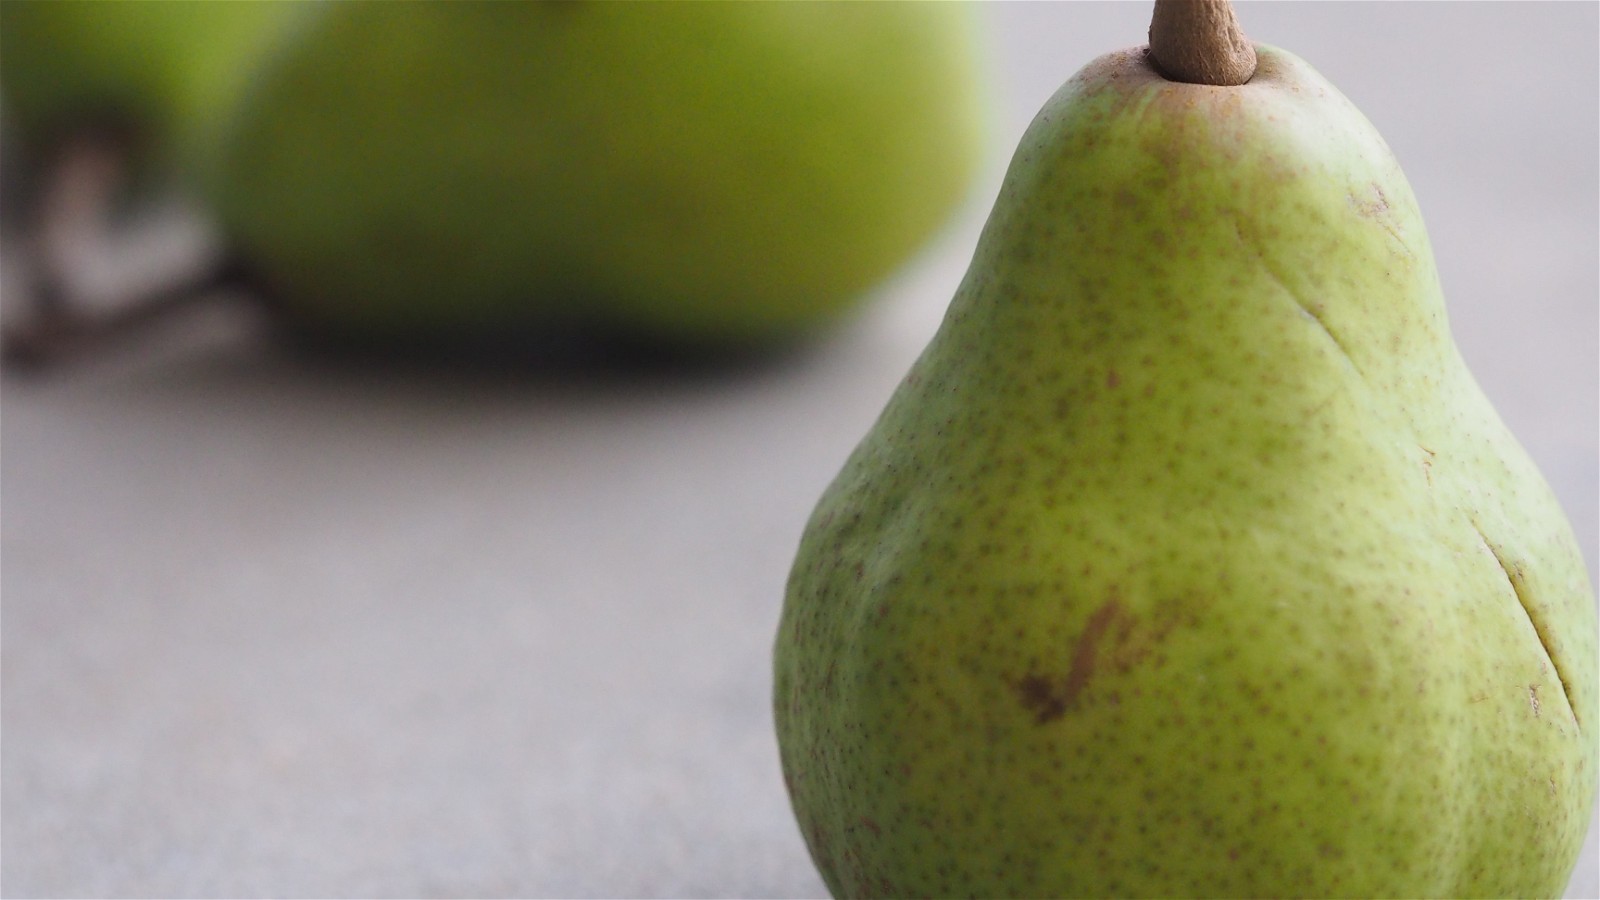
(58, 332)
(1200, 42)
(72, 210)
(79, 179)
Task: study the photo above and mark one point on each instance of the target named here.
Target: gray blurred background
(279, 627)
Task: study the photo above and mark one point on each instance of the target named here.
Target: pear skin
(1188, 558)
(164, 72)
(724, 174)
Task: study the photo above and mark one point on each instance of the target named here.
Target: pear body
(1189, 559)
(163, 72)
(715, 173)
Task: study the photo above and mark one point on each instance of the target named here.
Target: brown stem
(78, 186)
(58, 331)
(1200, 42)
(80, 176)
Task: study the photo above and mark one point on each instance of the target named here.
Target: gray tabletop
(275, 626)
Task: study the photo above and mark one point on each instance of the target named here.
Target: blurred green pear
(720, 174)
(163, 73)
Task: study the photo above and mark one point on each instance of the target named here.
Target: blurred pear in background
(160, 74)
(701, 176)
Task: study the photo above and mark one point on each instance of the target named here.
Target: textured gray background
(282, 628)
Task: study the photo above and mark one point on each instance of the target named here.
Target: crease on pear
(1309, 310)
(1519, 589)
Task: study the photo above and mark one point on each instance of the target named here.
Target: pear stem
(1200, 42)
(58, 330)
(79, 182)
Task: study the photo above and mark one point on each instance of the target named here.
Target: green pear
(164, 72)
(1188, 558)
(719, 173)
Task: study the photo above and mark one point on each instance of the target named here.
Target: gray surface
(284, 629)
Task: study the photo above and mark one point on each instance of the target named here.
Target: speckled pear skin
(1189, 559)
